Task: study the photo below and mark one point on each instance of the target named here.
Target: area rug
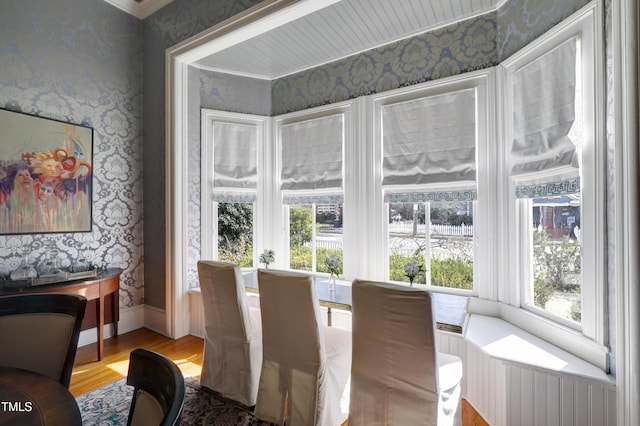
(109, 406)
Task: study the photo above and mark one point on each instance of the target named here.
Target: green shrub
(451, 273)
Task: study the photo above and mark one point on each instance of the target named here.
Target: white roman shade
(312, 160)
(235, 170)
(543, 158)
(429, 148)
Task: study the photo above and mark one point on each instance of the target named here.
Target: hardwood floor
(89, 373)
(186, 352)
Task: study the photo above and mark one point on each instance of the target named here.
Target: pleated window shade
(235, 159)
(312, 160)
(429, 142)
(544, 99)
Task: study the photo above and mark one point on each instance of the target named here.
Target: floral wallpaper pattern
(455, 49)
(170, 25)
(81, 61)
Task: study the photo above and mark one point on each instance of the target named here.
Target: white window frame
(346, 109)
(587, 23)
(483, 82)
(209, 207)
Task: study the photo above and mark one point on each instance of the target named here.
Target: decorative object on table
(333, 264)
(267, 257)
(49, 266)
(24, 271)
(47, 175)
(412, 269)
(81, 263)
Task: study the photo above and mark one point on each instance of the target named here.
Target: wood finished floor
(186, 352)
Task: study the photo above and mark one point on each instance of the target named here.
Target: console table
(95, 288)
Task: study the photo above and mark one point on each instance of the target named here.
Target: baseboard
(155, 319)
(130, 319)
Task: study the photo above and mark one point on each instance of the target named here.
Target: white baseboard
(130, 319)
(155, 319)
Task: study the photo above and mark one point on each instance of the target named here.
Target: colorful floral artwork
(45, 175)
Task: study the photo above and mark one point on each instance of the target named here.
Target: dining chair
(397, 376)
(158, 389)
(40, 332)
(305, 365)
(233, 334)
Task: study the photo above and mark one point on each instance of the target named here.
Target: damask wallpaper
(172, 24)
(81, 61)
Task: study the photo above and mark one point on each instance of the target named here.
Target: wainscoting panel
(538, 397)
(485, 385)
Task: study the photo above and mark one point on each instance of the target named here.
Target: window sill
(559, 342)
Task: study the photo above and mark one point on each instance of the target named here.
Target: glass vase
(332, 282)
(24, 271)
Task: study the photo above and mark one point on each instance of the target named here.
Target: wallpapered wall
(172, 24)
(81, 61)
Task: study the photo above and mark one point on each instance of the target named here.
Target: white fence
(453, 230)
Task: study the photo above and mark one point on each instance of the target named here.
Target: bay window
(555, 156)
(311, 184)
(229, 182)
(429, 153)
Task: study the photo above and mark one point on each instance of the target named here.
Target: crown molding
(140, 9)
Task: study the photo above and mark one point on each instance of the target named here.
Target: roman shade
(312, 160)
(544, 155)
(429, 148)
(235, 156)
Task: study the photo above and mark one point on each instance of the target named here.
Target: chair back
(158, 389)
(233, 337)
(293, 351)
(394, 371)
(40, 332)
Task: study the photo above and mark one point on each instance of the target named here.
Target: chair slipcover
(158, 389)
(306, 365)
(40, 332)
(233, 337)
(397, 376)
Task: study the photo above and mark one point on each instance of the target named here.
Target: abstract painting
(45, 175)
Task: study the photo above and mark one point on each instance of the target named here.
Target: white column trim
(256, 19)
(624, 38)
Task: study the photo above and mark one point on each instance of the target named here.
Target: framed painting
(46, 175)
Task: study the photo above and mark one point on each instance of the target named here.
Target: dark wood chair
(159, 389)
(40, 332)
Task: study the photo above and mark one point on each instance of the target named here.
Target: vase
(332, 282)
(24, 271)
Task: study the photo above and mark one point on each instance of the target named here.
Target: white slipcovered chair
(233, 334)
(397, 375)
(306, 365)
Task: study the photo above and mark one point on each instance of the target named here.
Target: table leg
(115, 305)
(329, 316)
(100, 314)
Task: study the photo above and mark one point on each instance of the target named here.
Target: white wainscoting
(130, 319)
(513, 378)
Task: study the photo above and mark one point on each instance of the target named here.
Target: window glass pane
(328, 234)
(315, 233)
(556, 252)
(407, 240)
(451, 231)
(235, 233)
(447, 255)
(301, 237)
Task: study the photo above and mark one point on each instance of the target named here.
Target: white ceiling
(341, 29)
(337, 31)
(139, 8)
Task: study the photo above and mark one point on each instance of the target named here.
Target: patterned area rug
(109, 406)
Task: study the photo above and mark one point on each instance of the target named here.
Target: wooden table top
(28, 398)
